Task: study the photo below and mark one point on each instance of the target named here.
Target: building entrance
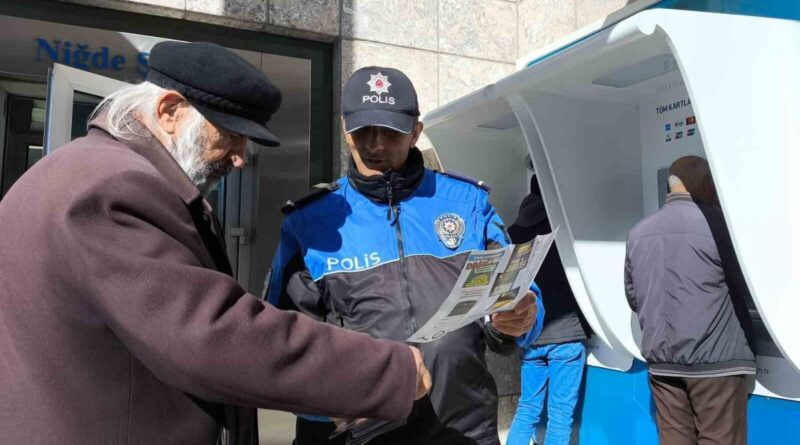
(52, 76)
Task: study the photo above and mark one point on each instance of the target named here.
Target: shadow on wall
(431, 158)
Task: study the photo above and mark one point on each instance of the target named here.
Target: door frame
(324, 142)
(62, 83)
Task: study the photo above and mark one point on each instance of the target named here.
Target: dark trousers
(700, 411)
(423, 428)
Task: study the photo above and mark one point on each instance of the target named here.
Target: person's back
(681, 297)
(695, 346)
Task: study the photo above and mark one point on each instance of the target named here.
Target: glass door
(72, 94)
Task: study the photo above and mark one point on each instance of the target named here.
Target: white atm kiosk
(602, 118)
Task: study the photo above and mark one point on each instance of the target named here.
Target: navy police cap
(226, 89)
(378, 96)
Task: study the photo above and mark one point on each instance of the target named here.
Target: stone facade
(447, 47)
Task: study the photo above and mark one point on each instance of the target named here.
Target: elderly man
(119, 320)
(679, 281)
(379, 250)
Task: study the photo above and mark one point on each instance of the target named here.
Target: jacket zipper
(394, 216)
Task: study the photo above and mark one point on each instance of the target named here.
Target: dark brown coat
(116, 306)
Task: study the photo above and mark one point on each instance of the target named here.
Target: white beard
(188, 152)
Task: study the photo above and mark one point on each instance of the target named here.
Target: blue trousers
(556, 370)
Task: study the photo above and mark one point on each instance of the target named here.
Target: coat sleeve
(199, 331)
(495, 235)
(629, 291)
(290, 285)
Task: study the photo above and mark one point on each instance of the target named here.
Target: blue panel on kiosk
(781, 9)
(772, 421)
(617, 409)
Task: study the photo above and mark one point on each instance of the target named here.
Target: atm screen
(663, 186)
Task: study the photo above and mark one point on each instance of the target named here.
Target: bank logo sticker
(678, 135)
(378, 83)
(690, 132)
(669, 138)
(678, 124)
(691, 120)
(450, 229)
(668, 127)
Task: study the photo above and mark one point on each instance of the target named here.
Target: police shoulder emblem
(450, 229)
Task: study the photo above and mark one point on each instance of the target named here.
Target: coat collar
(144, 143)
(392, 186)
(678, 196)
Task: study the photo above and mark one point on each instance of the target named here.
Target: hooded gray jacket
(675, 282)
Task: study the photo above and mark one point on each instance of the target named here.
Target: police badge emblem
(450, 229)
(378, 83)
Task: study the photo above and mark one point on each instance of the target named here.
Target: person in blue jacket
(380, 249)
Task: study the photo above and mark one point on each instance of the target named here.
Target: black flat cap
(226, 89)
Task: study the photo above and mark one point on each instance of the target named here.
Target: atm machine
(601, 120)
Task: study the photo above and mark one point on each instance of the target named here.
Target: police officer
(378, 252)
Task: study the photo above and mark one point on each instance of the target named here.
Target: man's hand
(519, 321)
(423, 376)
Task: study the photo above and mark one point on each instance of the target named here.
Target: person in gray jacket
(695, 345)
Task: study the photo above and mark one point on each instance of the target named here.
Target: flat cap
(226, 89)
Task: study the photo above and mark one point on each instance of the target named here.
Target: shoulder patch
(318, 191)
(468, 179)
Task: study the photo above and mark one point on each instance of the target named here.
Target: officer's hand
(424, 380)
(343, 424)
(519, 321)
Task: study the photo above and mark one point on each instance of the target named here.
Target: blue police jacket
(379, 255)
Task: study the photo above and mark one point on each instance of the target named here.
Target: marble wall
(448, 48)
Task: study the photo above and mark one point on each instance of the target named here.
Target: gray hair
(127, 105)
(674, 182)
(137, 103)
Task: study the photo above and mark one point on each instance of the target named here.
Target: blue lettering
(80, 57)
(67, 53)
(100, 58)
(143, 63)
(52, 52)
(118, 63)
